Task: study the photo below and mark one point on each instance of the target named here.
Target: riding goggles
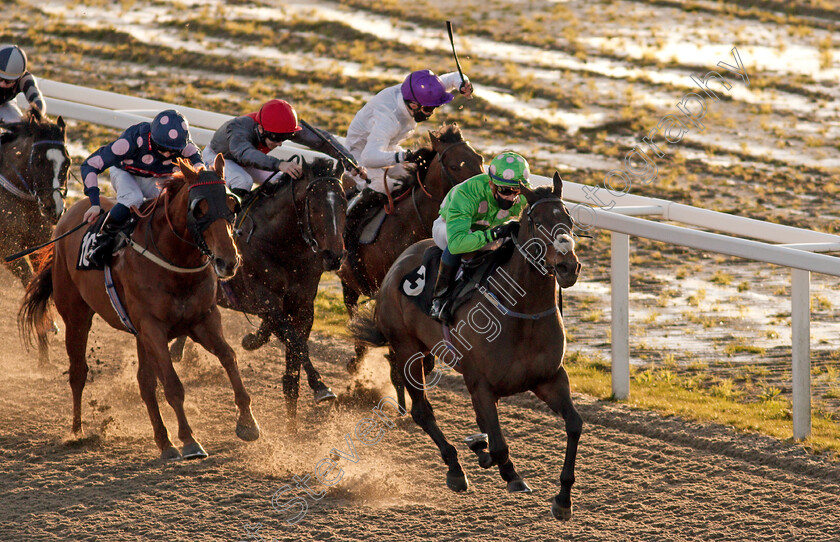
(506, 191)
(278, 137)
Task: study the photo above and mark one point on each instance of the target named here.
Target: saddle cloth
(419, 283)
(84, 263)
(87, 243)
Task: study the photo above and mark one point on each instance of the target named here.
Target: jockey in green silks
(474, 215)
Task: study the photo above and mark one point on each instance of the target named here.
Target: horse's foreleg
(557, 395)
(155, 347)
(147, 380)
(487, 416)
(424, 416)
(209, 334)
(351, 303)
(296, 327)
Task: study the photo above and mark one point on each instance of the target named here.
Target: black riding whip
(28, 251)
(457, 63)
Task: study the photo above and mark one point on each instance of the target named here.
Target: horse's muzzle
(332, 261)
(225, 269)
(566, 273)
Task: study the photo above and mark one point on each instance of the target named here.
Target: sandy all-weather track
(639, 476)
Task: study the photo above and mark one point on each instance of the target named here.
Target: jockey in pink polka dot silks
(141, 155)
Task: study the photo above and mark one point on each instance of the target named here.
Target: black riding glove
(410, 156)
(504, 230)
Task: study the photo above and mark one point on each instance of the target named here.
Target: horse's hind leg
(75, 342)
(209, 334)
(155, 347)
(147, 380)
(424, 416)
(487, 416)
(558, 397)
(351, 303)
(396, 378)
(253, 341)
(77, 317)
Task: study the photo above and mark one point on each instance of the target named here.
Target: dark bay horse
(34, 165)
(287, 239)
(166, 281)
(450, 160)
(498, 351)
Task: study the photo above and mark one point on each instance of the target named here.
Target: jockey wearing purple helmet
(392, 115)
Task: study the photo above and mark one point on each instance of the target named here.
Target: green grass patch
(670, 394)
(330, 315)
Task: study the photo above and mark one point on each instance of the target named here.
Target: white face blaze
(57, 158)
(332, 202)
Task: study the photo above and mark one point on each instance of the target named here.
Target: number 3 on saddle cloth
(418, 284)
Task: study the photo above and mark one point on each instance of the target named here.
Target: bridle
(533, 226)
(305, 225)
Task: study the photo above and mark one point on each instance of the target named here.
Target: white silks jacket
(376, 131)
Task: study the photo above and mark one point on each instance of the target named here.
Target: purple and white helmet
(425, 88)
(170, 130)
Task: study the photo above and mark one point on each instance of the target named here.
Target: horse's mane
(447, 133)
(172, 183)
(320, 167)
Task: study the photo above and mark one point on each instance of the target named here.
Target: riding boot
(103, 243)
(443, 288)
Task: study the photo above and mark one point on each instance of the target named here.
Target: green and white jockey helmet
(509, 169)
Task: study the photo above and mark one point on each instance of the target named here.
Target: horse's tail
(363, 327)
(34, 316)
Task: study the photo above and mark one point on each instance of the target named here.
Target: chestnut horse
(512, 351)
(34, 165)
(450, 160)
(287, 239)
(166, 280)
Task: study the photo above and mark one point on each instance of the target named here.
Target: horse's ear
(190, 174)
(60, 123)
(219, 165)
(558, 185)
(529, 194)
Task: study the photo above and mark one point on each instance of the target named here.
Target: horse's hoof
(352, 366)
(518, 486)
(193, 450)
(248, 433)
(457, 482)
(324, 394)
(171, 454)
(563, 513)
(253, 341)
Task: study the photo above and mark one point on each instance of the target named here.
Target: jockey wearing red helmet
(246, 141)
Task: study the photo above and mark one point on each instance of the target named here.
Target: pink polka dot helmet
(508, 169)
(170, 130)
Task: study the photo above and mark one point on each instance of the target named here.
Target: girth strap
(115, 301)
